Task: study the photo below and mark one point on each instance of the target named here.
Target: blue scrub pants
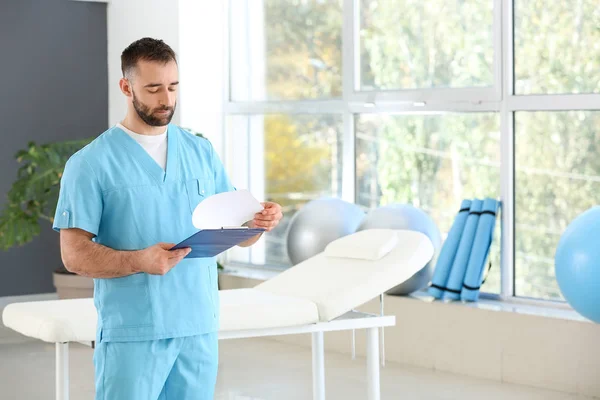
(169, 369)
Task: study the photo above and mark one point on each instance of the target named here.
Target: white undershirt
(155, 145)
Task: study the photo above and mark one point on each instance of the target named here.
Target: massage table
(315, 296)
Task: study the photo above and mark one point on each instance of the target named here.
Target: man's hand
(157, 259)
(268, 218)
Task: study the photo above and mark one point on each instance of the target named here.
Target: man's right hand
(158, 260)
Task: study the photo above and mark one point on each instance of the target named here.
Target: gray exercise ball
(318, 223)
(406, 216)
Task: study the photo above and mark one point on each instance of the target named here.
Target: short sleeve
(222, 181)
(80, 198)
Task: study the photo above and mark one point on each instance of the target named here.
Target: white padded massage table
(315, 296)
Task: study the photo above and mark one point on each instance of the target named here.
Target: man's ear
(125, 85)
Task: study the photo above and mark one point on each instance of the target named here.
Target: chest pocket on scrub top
(198, 189)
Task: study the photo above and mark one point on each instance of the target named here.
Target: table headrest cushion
(370, 244)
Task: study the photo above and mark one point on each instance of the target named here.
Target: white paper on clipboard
(228, 209)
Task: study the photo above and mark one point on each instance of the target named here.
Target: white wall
(127, 21)
(202, 70)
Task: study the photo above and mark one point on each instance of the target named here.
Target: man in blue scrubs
(125, 200)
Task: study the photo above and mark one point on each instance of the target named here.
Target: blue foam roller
(479, 251)
(446, 257)
(459, 266)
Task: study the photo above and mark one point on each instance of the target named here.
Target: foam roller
(459, 266)
(480, 251)
(448, 252)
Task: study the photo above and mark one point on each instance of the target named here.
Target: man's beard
(148, 115)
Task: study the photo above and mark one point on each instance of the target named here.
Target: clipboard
(211, 242)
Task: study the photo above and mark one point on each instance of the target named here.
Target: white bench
(315, 296)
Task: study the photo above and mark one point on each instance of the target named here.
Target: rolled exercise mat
(459, 266)
(480, 251)
(448, 252)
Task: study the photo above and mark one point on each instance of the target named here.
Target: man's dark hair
(146, 49)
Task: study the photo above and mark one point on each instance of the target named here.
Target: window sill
(516, 305)
(532, 307)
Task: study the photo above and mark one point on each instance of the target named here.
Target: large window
(432, 162)
(557, 178)
(556, 56)
(557, 46)
(425, 44)
(426, 103)
(285, 50)
(289, 159)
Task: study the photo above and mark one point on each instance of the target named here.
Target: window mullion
(507, 175)
(350, 72)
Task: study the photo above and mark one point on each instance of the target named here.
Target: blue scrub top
(115, 190)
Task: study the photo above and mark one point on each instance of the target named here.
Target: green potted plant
(32, 201)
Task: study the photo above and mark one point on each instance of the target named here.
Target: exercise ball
(408, 217)
(318, 223)
(577, 264)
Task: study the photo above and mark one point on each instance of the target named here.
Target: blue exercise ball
(407, 217)
(577, 264)
(318, 223)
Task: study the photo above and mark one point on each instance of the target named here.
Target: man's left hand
(269, 217)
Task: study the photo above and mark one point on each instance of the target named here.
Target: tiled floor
(259, 369)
